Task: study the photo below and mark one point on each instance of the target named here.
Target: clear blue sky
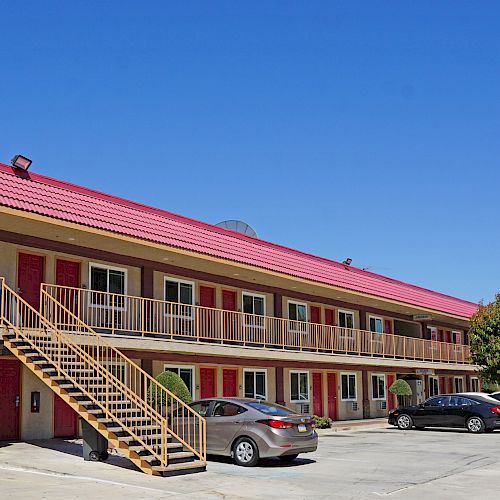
(361, 129)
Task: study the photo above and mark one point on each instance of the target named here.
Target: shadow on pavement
(74, 447)
(265, 462)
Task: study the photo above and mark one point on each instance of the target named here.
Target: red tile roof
(64, 201)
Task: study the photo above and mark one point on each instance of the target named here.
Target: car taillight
(495, 409)
(276, 424)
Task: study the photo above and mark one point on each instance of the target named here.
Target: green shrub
(322, 422)
(401, 388)
(174, 384)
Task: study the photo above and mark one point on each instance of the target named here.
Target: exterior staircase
(158, 432)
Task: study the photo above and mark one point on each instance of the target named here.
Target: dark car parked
(474, 411)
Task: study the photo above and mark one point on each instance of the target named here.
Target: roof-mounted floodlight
(20, 161)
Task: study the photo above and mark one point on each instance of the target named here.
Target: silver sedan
(248, 429)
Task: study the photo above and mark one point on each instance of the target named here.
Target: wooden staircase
(159, 433)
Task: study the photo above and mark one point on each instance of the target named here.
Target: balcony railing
(117, 314)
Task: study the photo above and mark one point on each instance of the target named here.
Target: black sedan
(473, 411)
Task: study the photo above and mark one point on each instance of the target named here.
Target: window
(459, 384)
(118, 369)
(348, 387)
(378, 387)
(457, 337)
(271, 409)
(475, 384)
(254, 304)
(255, 384)
(346, 319)
(181, 293)
(297, 311)
(224, 409)
(201, 408)
(186, 373)
(299, 387)
(376, 324)
(433, 386)
(439, 401)
(459, 401)
(253, 307)
(106, 279)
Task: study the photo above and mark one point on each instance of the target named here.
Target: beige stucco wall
(35, 425)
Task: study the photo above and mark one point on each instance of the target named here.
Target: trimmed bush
(401, 388)
(174, 384)
(322, 422)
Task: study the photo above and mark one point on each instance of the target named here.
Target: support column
(280, 385)
(147, 282)
(362, 319)
(278, 305)
(366, 397)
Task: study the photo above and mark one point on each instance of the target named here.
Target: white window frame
(344, 334)
(189, 367)
(380, 318)
(108, 268)
(298, 326)
(472, 380)
(455, 383)
(246, 317)
(355, 386)
(458, 347)
(299, 372)
(254, 370)
(431, 379)
(385, 387)
(180, 281)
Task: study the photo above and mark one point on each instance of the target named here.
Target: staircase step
(182, 468)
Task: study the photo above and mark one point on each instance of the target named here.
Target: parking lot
(374, 463)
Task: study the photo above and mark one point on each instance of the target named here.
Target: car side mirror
(421, 405)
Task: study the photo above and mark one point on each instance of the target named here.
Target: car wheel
(404, 422)
(475, 425)
(288, 458)
(245, 452)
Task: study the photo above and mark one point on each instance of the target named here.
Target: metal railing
(118, 314)
(124, 392)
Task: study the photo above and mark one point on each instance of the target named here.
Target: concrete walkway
(356, 425)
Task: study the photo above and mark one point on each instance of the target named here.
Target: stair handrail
(63, 338)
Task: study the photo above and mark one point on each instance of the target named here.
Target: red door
(329, 317)
(30, 277)
(332, 395)
(387, 326)
(208, 388)
(64, 419)
(228, 300)
(318, 394)
(9, 394)
(451, 389)
(391, 398)
(67, 274)
(207, 296)
(315, 314)
(442, 385)
(229, 381)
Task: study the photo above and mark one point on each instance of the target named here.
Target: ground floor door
(64, 419)
(229, 382)
(208, 383)
(332, 395)
(30, 274)
(318, 394)
(9, 399)
(391, 398)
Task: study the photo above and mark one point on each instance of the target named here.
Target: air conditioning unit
(354, 406)
(305, 408)
(382, 405)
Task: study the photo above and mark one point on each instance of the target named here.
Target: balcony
(124, 315)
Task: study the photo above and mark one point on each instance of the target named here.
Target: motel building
(99, 294)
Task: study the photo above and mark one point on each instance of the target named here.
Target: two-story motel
(233, 315)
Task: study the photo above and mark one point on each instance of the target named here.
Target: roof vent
(238, 226)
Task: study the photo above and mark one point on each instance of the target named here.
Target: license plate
(302, 428)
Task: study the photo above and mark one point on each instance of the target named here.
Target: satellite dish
(238, 226)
